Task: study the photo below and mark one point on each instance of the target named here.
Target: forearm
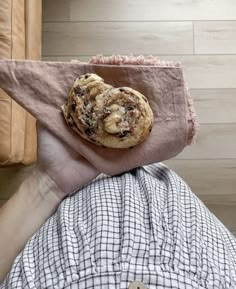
(34, 202)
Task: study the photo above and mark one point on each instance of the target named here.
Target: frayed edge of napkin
(132, 60)
(192, 137)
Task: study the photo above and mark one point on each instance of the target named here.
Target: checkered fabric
(145, 225)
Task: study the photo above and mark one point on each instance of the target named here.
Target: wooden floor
(202, 36)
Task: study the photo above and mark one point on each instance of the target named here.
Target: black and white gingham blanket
(145, 225)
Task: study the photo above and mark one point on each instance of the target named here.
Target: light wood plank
(88, 38)
(220, 200)
(214, 141)
(225, 213)
(55, 10)
(139, 10)
(11, 178)
(215, 105)
(208, 177)
(215, 37)
(208, 71)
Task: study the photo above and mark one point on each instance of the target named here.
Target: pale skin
(59, 171)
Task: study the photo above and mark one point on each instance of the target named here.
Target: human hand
(68, 169)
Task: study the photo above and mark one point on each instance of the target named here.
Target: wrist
(46, 186)
(35, 201)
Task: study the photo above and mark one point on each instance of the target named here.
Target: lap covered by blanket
(144, 225)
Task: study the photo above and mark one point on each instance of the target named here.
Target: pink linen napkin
(42, 88)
